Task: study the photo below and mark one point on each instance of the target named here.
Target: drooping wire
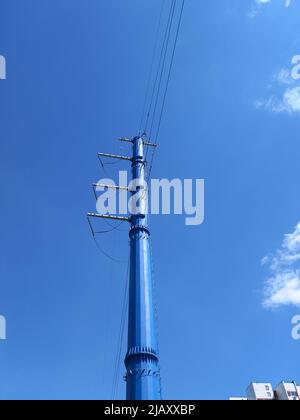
(113, 227)
(103, 164)
(107, 255)
(117, 228)
(117, 366)
(101, 249)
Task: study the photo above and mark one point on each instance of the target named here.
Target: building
(288, 391)
(260, 392)
(257, 391)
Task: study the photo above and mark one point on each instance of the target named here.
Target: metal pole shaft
(142, 362)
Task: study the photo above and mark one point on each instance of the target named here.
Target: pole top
(139, 137)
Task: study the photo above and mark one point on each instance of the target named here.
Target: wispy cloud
(288, 103)
(283, 77)
(282, 287)
(257, 5)
(286, 96)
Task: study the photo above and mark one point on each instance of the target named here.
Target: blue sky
(76, 73)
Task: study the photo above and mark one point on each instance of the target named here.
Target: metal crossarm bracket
(108, 155)
(113, 187)
(124, 139)
(146, 143)
(106, 216)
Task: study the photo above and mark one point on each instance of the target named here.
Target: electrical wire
(113, 228)
(154, 292)
(116, 227)
(150, 116)
(121, 336)
(170, 71)
(165, 50)
(154, 90)
(166, 87)
(152, 66)
(103, 164)
(100, 248)
(106, 254)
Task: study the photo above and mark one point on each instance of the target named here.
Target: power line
(152, 65)
(155, 308)
(100, 248)
(121, 336)
(106, 254)
(170, 70)
(165, 50)
(159, 64)
(167, 86)
(115, 227)
(102, 232)
(155, 116)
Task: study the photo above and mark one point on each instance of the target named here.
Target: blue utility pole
(142, 361)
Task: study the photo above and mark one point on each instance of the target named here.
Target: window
(292, 394)
(267, 388)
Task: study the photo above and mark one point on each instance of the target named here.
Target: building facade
(257, 391)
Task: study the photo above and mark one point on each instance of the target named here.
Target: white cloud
(263, 1)
(286, 2)
(286, 96)
(283, 285)
(283, 290)
(259, 3)
(283, 77)
(289, 102)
